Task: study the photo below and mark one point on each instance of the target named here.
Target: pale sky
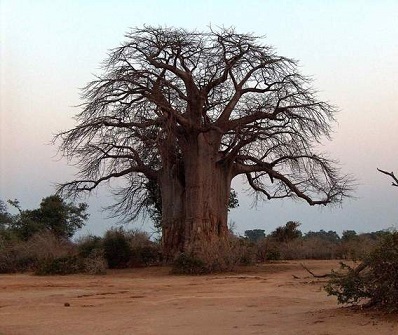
(49, 49)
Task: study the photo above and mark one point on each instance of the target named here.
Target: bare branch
(89, 185)
(391, 174)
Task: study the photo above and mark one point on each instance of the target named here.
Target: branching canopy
(165, 83)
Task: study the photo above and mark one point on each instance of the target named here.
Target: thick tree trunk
(173, 211)
(207, 191)
(196, 209)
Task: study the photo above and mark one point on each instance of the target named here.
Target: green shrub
(88, 245)
(189, 264)
(273, 255)
(117, 249)
(145, 255)
(60, 266)
(374, 282)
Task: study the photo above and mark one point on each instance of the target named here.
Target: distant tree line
(288, 242)
(290, 232)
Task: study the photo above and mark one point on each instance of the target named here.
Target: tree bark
(196, 209)
(173, 211)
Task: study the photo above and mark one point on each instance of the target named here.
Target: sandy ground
(268, 299)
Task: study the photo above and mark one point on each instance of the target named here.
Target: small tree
(117, 250)
(349, 235)
(287, 233)
(54, 214)
(255, 235)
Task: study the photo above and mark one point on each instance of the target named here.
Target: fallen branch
(357, 271)
(313, 274)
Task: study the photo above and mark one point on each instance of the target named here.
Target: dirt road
(267, 299)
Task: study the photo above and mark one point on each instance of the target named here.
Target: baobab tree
(190, 111)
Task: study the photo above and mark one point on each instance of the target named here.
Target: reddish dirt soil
(279, 298)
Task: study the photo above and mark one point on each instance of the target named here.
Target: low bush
(315, 246)
(12, 260)
(117, 249)
(133, 248)
(21, 256)
(88, 245)
(44, 253)
(145, 255)
(215, 256)
(374, 282)
(309, 248)
(144, 252)
(190, 264)
(60, 266)
(95, 263)
(266, 250)
(357, 248)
